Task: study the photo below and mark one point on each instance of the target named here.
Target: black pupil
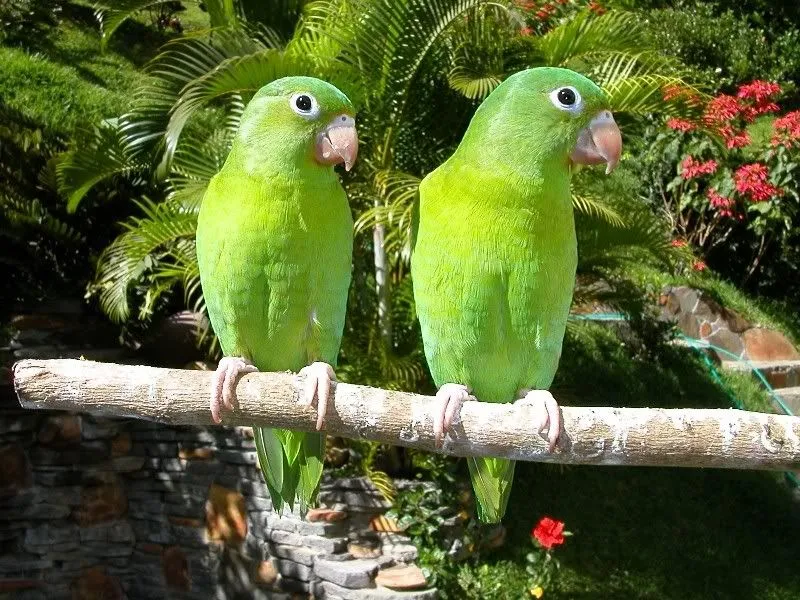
(303, 103)
(566, 96)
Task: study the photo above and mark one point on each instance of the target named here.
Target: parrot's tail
(291, 462)
(491, 480)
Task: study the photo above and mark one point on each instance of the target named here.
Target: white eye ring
(575, 107)
(305, 105)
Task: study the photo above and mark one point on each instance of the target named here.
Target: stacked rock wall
(131, 509)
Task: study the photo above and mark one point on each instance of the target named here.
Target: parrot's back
(275, 263)
(493, 268)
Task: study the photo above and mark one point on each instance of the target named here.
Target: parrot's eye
(567, 98)
(305, 105)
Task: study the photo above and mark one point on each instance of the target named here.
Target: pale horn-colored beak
(600, 142)
(338, 142)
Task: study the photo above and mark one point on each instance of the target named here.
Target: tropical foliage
(416, 70)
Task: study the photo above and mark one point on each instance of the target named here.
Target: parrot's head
(564, 114)
(306, 119)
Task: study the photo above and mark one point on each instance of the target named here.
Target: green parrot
(274, 247)
(495, 254)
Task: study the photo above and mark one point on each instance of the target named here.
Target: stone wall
(131, 509)
(699, 316)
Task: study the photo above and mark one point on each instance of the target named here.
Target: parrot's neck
(281, 160)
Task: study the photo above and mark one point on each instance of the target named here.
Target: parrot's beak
(600, 142)
(338, 142)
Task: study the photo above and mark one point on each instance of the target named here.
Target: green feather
(495, 253)
(274, 246)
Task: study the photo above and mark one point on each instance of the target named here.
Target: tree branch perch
(722, 438)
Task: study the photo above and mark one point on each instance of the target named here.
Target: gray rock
(382, 593)
(289, 568)
(351, 574)
(243, 457)
(45, 535)
(298, 554)
(115, 532)
(98, 429)
(290, 538)
(124, 464)
(324, 544)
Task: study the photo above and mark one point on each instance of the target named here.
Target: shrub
(727, 180)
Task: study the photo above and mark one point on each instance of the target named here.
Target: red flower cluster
(675, 92)
(699, 265)
(680, 124)
(723, 204)
(752, 181)
(721, 109)
(597, 8)
(786, 129)
(678, 243)
(691, 168)
(526, 31)
(733, 138)
(549, 532)
(758, 91)
(546, 11)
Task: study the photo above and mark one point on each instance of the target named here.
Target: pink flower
(691, 168)
(526, 31)
(721, 109)
(724, 205)
(597, 8)
(680, 124)
(786, 129)
(759, 91)
(734, 139)
(752, 181)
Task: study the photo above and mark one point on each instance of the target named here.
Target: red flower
(786, 129)
(721, 109)
(734, 139)
(525, 31)
(723, 204)
(670, 92)
(549, 532)
(597, 8)
(752, 181)
(759, 91)
(678, 243)
(699, 265)
(691, 168)
(680, 124)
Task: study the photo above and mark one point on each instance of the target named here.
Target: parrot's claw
(223, 388)
(547, 414)
(319, 376)
(447, 408)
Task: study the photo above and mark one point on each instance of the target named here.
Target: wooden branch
(598, 435)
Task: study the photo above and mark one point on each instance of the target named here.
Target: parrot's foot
(447, 408)
(547, 415)
(223, 388)
(319, 376)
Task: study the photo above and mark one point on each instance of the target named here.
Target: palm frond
(30, 212)
(111, 151)
(111, 15)
(396, 192)
(587, 32)
(598, 208)
(643, 94)
(165, 231)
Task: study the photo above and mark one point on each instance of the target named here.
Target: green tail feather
(491, 480)
(291, 462)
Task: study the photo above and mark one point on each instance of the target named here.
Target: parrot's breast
(494, 270)
(275, 272)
